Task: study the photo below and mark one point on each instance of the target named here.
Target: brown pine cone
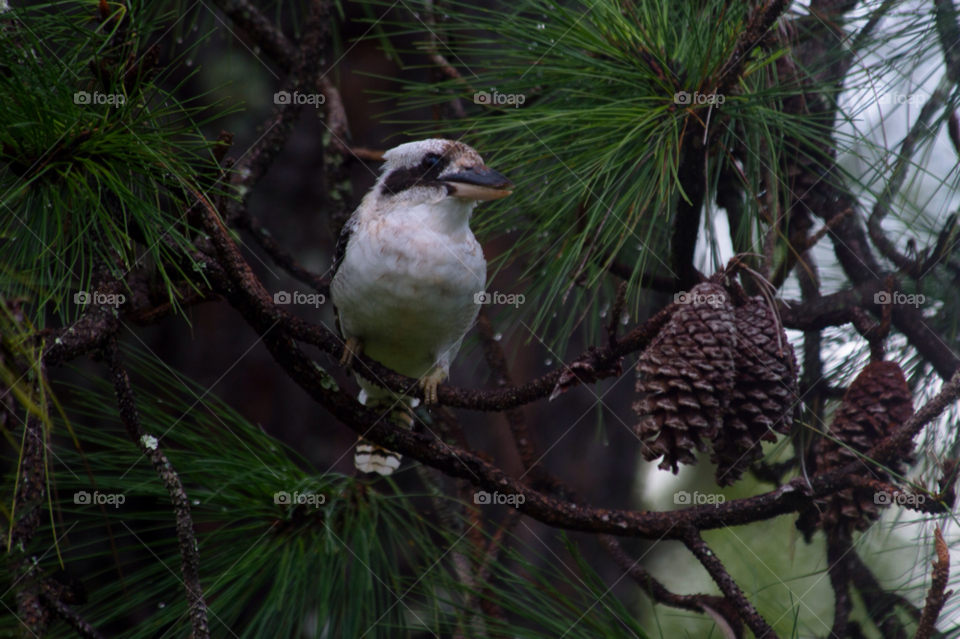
(687, 376)
(877, 403)
(765, 395)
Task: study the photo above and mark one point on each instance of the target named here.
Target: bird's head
(429, 171)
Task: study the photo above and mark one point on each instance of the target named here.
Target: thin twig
(728, 586)
(260, 29)
(149, 446)
(243, 219)
(937, 596)
(81, 626)
(303, 77)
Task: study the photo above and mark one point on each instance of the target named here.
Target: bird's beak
(479, 184)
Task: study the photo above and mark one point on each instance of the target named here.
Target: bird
(409, 275)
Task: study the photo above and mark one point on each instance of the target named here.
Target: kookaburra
(408, 274)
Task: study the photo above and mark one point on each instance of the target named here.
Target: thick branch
(838, 569)
(246, 294)
(595, 364)
(836, 310)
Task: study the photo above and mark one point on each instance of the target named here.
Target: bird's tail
(371, 458)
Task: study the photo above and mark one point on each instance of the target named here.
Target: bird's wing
(341, 250)
(338, 254)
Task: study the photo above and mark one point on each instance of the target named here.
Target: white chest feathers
(408, 281)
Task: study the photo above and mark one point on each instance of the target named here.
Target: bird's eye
(430, 160)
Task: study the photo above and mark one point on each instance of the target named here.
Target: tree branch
(838, 569)
(936, 597)
(728, 586)
(149, 446)
(243, 219)
(303, 77)
(247, 295)
(261, 30)
(71, 618)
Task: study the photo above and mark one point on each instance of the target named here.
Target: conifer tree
(746, 209)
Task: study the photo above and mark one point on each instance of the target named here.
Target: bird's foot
(394, 411)
(429, 384)
(351, 349)
(402, 416)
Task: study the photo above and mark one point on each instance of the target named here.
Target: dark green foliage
(268, 569)
(98, 152)
(594, 149)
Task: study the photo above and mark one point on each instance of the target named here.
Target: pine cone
(687, 375)
(764, 396)
(877, 403)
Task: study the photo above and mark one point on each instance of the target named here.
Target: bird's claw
(430, 383)
(394, 411)
(351, 349)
